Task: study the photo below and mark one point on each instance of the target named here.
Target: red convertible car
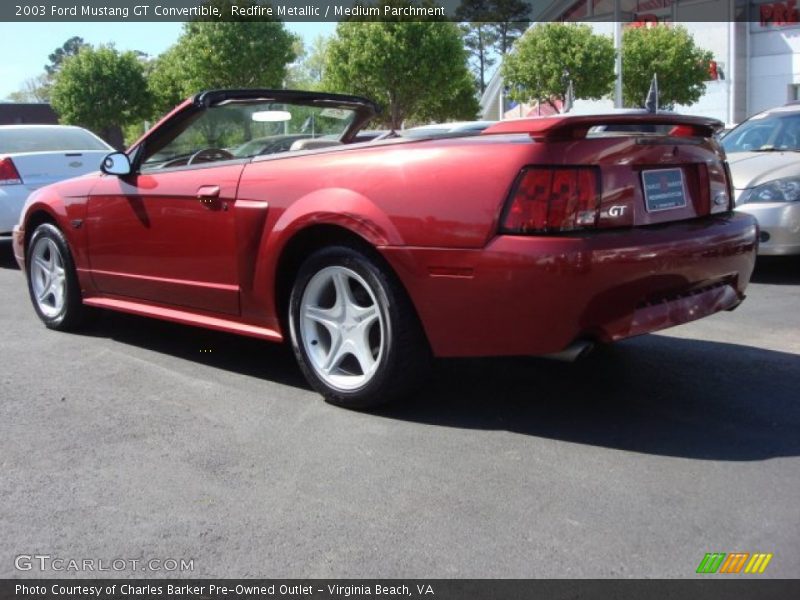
(534, 237)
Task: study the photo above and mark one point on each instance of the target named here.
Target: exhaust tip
(575, 351)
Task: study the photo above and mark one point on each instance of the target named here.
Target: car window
(243, 130)
(47, 139)
(764, 133)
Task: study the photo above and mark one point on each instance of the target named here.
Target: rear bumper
(536, 295)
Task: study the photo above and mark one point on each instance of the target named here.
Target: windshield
(15, 140)
(239, 130)
(765, 133)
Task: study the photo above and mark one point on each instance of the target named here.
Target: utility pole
(618, 57)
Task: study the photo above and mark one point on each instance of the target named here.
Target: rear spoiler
(576, 127)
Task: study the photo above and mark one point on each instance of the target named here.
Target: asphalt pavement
(142, 440)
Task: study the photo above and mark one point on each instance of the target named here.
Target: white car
(32, 156)
(764, 158)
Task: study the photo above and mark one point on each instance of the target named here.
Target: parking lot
(144, 439)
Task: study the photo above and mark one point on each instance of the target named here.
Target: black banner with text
(781, 12)
(360, 589)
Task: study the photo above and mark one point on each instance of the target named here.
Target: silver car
(764, 157)
(32, 156)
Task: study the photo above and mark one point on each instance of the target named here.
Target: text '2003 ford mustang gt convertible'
(255, 212)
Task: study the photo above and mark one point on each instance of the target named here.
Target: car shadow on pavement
(7, 260)
(236, 354)
(777, 270)
(654, 394)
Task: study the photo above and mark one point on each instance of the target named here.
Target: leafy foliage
(479, 36)
(37, 89)
(69, 48)
(101, 88)
(670, 53)
(306, 73)
(214, 54)
(490, 28)
(166, 83)
(413, 69)
(510, 19)
(549, 55)
(34, 89)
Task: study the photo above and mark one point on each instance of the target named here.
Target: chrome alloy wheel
(342, 327)
(48, 277)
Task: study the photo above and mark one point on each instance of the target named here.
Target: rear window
(47, 139)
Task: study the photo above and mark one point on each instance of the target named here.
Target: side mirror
(116, 163)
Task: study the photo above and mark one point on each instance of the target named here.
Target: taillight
(686, 131)
(551, 199)
(8, 172)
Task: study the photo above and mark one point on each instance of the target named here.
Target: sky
(26, 46)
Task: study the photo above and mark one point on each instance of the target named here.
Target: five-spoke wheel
(353, 329)
(47, 277)
(52, 282)
(342, 327)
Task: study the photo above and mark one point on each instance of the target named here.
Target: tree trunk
(113, 135)
(394, 112)
(481, 60)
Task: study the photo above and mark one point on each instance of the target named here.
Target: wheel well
(301, 246)
(36, 219)
(307, 241)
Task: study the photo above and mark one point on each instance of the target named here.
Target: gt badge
(616, 211)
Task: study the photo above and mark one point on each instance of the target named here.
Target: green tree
(34, 89)
(413, 69)
(307, 71)
(670, 53)
(37, 89)
(166, 82)
(479, 36)
(101, 89)
(69, 48)
(459, 105)
(510, 19)
(214, 54)
(550, 55)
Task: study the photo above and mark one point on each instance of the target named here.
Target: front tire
(354, 332)
(52, 282)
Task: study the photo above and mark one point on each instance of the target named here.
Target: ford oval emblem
(75, 164)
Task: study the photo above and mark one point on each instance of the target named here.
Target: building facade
(756, 48)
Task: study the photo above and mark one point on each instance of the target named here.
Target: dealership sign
(778, 13)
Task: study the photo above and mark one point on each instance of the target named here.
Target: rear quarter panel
(437, 193)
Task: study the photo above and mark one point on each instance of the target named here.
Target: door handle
(208, 195)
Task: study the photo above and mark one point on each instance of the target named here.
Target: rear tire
(52, 281)
(354, 331)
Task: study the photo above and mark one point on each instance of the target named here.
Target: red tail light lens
(551, 199)
(686, 131)
(8, 172)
